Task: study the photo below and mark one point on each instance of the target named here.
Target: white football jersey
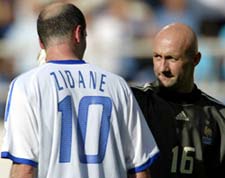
(71, 119)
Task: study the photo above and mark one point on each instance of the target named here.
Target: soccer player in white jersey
(70, 119)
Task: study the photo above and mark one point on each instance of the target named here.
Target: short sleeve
(20, 142)
(141, 148)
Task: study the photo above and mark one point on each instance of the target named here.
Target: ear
(41, 44)
(197, 58)
(77, 33)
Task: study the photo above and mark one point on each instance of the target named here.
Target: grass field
(4, 164)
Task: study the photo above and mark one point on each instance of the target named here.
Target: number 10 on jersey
(65, 106)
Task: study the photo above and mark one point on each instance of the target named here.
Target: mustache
(166, 74)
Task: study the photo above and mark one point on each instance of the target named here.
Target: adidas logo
(182, 116)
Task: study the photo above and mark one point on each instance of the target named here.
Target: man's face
(172, 67)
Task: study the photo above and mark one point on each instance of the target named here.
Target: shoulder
(212, 100)
(145, 89)
(144, 93)
(98, 69)
(26, 79)
(116, 84)
(213, 105)
(215, 109)
(113, 78)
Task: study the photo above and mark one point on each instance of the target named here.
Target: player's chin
(167, 82)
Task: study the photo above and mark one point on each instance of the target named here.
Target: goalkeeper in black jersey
(188, 125)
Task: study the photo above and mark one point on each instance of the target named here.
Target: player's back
(82, 119)
(75, 114)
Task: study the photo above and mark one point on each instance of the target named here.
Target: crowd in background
(119, 36)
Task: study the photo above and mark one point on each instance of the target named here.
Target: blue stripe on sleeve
(9, 102)
(145, 165)
(19, 160)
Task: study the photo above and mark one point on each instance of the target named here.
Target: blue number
(65, 106)
(104, 127)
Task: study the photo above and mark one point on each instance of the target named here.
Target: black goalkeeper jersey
(189, 130)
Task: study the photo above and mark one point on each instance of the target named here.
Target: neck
(186, 88)
(61, 52)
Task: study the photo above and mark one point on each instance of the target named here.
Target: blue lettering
(81, 80)
(102, 82)
(93, 80)
(70, 79)
(56, 81)
(63, 78)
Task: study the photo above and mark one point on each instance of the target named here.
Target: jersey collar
(69, 61)
(176, 97)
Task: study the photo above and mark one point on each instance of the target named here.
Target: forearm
(143, 174)
(22, 171)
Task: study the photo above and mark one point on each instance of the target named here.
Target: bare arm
(22, 171)
(143, 174)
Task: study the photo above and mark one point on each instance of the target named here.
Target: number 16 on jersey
(186, 164)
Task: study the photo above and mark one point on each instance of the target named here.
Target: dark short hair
(60, 24)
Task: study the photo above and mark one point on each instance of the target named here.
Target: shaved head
(182, 36)
(175, 55)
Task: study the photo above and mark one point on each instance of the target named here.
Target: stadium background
(119, 40)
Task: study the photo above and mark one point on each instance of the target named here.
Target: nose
(164, 65)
